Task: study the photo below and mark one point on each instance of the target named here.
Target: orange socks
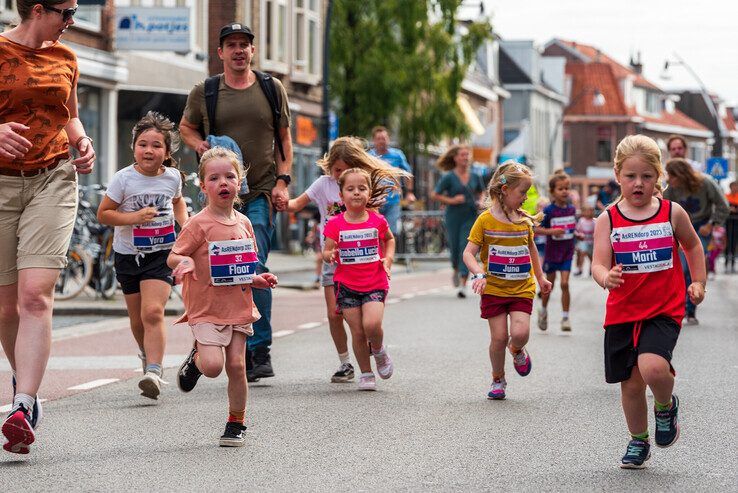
(236, 416)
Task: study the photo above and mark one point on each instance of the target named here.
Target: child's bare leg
(358, 338)
(635, 407)
(235, 365)
(209, 360)
(656, 373)
(154, 295)
(551, 276)
(133, 304)
(565, 296)
(519, 330)
(498, 344)
(371, 319)
(335, 321)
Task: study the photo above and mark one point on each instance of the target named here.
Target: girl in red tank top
(635, 258)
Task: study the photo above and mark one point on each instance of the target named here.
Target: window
(90, 105)
(604, 144)
(88, 17)
(306, 43)
(274, 35)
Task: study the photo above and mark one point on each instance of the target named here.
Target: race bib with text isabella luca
(155, 235)
(643, 248)
(358, 246)
(232, 262)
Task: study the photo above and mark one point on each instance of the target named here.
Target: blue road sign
(717, 167)
(332, 126)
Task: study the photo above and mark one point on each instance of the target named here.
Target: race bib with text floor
(232, 262)
(643, 248)
(358, 246)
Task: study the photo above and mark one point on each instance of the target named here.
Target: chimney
(635, 64)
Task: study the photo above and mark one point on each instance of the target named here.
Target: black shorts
(348, 298)
(657, 336)
(150, 266)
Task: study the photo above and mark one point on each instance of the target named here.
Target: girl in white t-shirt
(345, 153)
(143, 201)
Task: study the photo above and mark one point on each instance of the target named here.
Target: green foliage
(401, 62)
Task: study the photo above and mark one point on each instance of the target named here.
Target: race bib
(358, 246)
(511, 263)
(155, 235)
(232, 262)
(646, 248)
(567, 223)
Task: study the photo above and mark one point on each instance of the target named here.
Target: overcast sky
(704, 33)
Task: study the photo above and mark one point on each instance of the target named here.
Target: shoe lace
(520, 359)
(663, 420)
(635, 448)
(158, 378)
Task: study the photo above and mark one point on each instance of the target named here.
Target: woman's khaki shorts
(37, 216)
(209, 334)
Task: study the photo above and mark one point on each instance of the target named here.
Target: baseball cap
(235, 28)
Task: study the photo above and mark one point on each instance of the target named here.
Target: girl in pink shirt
(361, 245)
(215, 257)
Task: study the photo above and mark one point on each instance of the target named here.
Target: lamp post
(326, 72)
(598, 100)
(717, 149)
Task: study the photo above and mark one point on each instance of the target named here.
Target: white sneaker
(384, 364)
(367, 382)
(150, 385)
(565, 325)
(542, 319)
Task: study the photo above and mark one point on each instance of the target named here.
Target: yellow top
(505, 253)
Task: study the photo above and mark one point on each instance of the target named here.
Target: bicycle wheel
(75, 276)
(108, 284)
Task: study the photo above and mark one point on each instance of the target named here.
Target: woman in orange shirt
(731, 228)
(39, 124)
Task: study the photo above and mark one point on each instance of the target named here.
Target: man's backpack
(268, 86)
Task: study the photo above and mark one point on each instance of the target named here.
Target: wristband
(481, 275)
(76, 144)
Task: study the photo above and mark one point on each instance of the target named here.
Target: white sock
(344, 357)
(24, 399)
(367, 374)
(565, 315)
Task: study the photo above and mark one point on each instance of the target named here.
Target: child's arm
(389, 252)
(470, 260)
(540, 230)
(603, 272)
(180, 210)
(299, 203)
(690, 243)
(329, 250)
(109, 214)
(181, 265)
(543, 283)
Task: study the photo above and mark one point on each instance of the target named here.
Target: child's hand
(478, 285)
(557, 232)
(696, 292)
(458, 199)
(146, 215)
(330, 256)
(267, 280)
(545, 285)
(614, 278)
(186, 266)
(578, 235)
(387, 263)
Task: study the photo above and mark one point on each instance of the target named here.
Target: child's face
(561, 191)
(587, 212)
(221, 182)
(734, 187)
(637, 181)
(150, 151)
(355, 192)
(338, 167)
(514, 197)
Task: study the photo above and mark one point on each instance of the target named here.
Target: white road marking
(93, 384)
(5, 409)
(392, 301)
(111, 362)
(408, 296)
(309, 325)
(283, 333)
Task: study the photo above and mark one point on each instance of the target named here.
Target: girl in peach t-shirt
(215, 257)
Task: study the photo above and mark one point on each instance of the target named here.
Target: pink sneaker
(367, 382)
(522, 363)
(384, 364)
(497, 389)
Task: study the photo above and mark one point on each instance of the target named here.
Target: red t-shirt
(652, 273)
(360, 252)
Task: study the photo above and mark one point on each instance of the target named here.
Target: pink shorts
(209, 334)
(492, 305)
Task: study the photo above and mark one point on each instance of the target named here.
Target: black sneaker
(18, 431)
(667, 425)
(262, 363)
(637, 454)
(188, 373)
(37, 413)
(250, 366)
(233, 435)
(344, 373)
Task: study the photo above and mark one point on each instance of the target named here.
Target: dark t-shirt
(451, 186)
(559, 248)
(246, 117)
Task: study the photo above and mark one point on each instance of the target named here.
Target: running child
(361, 244)
(503, 237)
(540, 239)
(636, 258)
(215, 257)
(345, 153)
(143, 201)
(559, 222)
(584, 233)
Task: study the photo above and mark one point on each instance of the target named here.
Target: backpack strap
(212, 84)
(269, 87)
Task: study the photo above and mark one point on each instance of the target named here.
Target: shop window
(306, 41)
(88, 17)
(89, 104)
(274, 35)
(604, 144)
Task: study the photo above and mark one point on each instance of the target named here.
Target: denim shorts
(348, 298)
(549, 267)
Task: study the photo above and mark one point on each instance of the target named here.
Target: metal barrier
(422, 237)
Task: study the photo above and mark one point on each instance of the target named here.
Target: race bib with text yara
(358, 246)
(644, 248)
(567, 223)
(232, 262)
(154, 236)
(511, 263)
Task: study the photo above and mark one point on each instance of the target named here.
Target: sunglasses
(66, 14)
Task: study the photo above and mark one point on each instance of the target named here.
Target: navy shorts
(130, 273)
(549, 267)
(348, 298)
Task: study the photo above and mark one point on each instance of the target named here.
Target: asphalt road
(428, 428)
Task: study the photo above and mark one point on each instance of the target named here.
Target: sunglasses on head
(65, 13)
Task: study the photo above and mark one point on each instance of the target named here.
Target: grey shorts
(348, 298)
(326, 275)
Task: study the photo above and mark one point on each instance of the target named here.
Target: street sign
(332, 126)
(717, 167)
(158, 29)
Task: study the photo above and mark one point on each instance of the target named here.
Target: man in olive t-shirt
(243, 113)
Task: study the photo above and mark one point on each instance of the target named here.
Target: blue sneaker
(667, 425)
(36, 413)
(636, 455)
